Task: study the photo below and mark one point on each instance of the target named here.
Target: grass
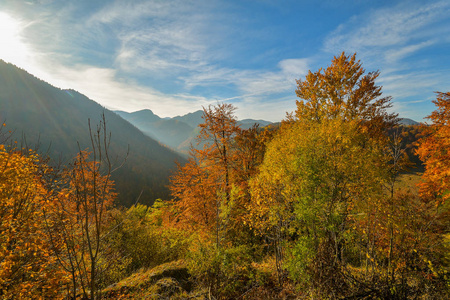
(409, 181)
(166, 281)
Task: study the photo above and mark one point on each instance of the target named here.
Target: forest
(329, 204)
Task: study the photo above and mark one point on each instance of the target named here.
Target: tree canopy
(344, 90)
(434, 151)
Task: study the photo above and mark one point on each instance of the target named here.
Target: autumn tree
(250, 147)
(209, 170)
(28, 268)
(195, 191)
(326, 193)
(434, 190)
(217, 133)
(202, 188)
(211, 190)
(433, 150)
(325, 162)
(312, 176)
(81, 216)
(343, 89)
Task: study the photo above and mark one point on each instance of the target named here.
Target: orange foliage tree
(195, 194)
(54, 224)
(343, 89)
(28, 268)
(80, 217)
(216, 176)
(211, 190)
(434, 151)
(203, 185)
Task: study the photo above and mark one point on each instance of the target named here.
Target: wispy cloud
(402, 86)
(404, 26)
(180, 42)
(412, 92)
(167, 50)
(394, 39)
(252, 82)
(270, 110)
(158, 37)
(161, 40)
(395, 55)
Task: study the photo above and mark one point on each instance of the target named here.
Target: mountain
(247, 123)
(192, 119)
(169, 131)
(177, 132)
(57, 120)
(406, 121)
(146, 116)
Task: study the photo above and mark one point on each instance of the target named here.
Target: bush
(140, 241)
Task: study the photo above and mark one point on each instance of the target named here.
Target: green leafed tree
(312, 178)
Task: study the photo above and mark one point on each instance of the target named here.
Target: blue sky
(174, 57)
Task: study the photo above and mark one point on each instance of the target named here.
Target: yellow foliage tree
(312, 178)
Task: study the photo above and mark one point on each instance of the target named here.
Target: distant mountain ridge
(177, 132)
(58, 120)
(193, 119)
(406, 121)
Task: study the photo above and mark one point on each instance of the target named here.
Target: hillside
(56, 120)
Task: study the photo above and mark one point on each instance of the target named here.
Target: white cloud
(274, 82)
(294, 67)
(192, 46)
(395, 55)
(273, 110)
(128, 13)
(163, 38)
(176, 42)
(404, 26)
(395, 40)
(168, 50)
(253, 82)
(180, 43)
(265, 82)
(402, 86)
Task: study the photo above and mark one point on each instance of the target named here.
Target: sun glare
(12, 49)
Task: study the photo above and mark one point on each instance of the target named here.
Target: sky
(175, 57)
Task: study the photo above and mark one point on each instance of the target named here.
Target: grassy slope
(166, 281)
